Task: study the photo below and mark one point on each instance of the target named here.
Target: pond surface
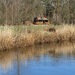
(48, 59)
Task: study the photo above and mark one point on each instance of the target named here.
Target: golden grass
(6, 39)
(66, 33)
(10, 39)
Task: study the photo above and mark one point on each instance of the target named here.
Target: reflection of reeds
(10, 38)
(6, 59)
(35, 52)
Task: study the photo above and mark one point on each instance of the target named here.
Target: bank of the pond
(11, 37)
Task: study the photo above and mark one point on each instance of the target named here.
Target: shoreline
(11, 38)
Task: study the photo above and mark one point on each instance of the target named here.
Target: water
(48, 59)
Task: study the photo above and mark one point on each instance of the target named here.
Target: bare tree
(15, 12)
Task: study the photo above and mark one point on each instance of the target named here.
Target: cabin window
(45, 20)
(40, 20)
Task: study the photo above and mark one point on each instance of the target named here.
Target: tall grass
(6, 38)
(66, 33)
(12, 37)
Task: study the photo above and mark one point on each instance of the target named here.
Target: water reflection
(15, 62)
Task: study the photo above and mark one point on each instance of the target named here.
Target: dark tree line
(60, 11)
(15, 12)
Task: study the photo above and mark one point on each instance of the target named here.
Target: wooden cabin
(40, 20)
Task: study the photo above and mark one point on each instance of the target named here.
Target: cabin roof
(44, 18)
(41, 18)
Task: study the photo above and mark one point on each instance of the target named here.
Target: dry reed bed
(9, 39)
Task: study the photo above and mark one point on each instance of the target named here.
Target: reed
(6, 38)
(66, 33)
(12, 37)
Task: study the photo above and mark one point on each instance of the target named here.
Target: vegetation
(21, 36)
(60, 11)
(57, 11)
